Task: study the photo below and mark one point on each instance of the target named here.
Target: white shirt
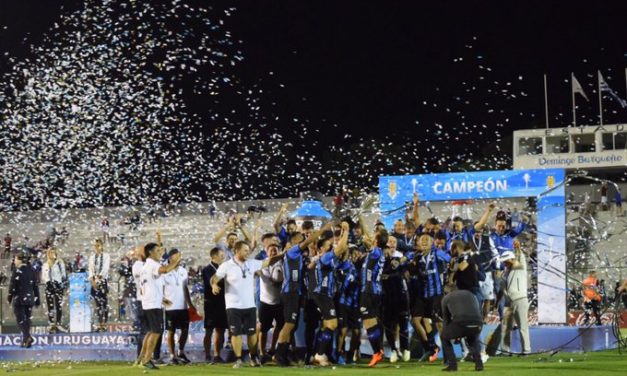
(54, 273)
(101, 267)
(137, 271)
(151, 285)
(175, 281)
(270, 284)
(239, 290)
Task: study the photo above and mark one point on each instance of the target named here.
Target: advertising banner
(80, 308)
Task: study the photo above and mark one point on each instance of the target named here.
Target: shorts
(176, 319)
(369, 306)
(242, 321)
(312, 315)
(269, 313)
(428, 308)
(215, 317)
(349, 317)
(326, 306)
(487, 287)
(291, 307)
(154, 320)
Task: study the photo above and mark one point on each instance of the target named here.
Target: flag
(577, 89)
(604, 87)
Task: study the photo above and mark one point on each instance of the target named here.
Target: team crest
(392, 189)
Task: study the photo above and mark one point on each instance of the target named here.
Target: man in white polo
(151, 285)
(239, 275)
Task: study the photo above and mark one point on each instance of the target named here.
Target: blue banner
(547, 185)
(79, 304)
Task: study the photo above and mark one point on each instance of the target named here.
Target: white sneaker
(394, 357)
(322, 360)
(406, 355)
(357, 356)
(484, 357)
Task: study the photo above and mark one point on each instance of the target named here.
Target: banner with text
(547, 185)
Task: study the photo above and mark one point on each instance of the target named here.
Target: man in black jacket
(23, 294)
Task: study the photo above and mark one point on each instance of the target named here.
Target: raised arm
(484, 218)
(313, 237)
(415, 211)
(174, 262)
(222, 231)
(246, 234)
(272, 260)
(342, 245)
(279, 218)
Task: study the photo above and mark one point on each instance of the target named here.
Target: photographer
(54, 276)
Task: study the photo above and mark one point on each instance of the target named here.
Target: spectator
(7, 245)
(99, 264)
(55, 278)
(105, 229)
(591, 297)
(604, 189)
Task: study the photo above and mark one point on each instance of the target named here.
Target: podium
(80, 307)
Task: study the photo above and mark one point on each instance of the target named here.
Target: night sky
(400, 70)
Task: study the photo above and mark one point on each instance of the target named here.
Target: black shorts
(242, 321)
(269, 313)
(428, 307)
(312, 315)
(349, 317)
(154, 320)
(291, 308)
(369, 306)
(326, 306)
(215, 316)
(176, 319)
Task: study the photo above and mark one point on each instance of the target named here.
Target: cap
(506, 256)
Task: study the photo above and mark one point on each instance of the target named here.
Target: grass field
(598, 363)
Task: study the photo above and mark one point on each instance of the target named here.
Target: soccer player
(292, 292)
(348, 308)
(214, 308)
(324, 291)
(370, 299)
(230, 229)
(434, 262)
(466, 233)
(239, 275)
(290, 228)
(395, 302)
(151, 285)
(176, 314)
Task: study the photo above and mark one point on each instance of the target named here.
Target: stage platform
(122, 346)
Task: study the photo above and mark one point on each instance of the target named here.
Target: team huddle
(341, 278)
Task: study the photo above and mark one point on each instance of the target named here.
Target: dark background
(391, 71)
